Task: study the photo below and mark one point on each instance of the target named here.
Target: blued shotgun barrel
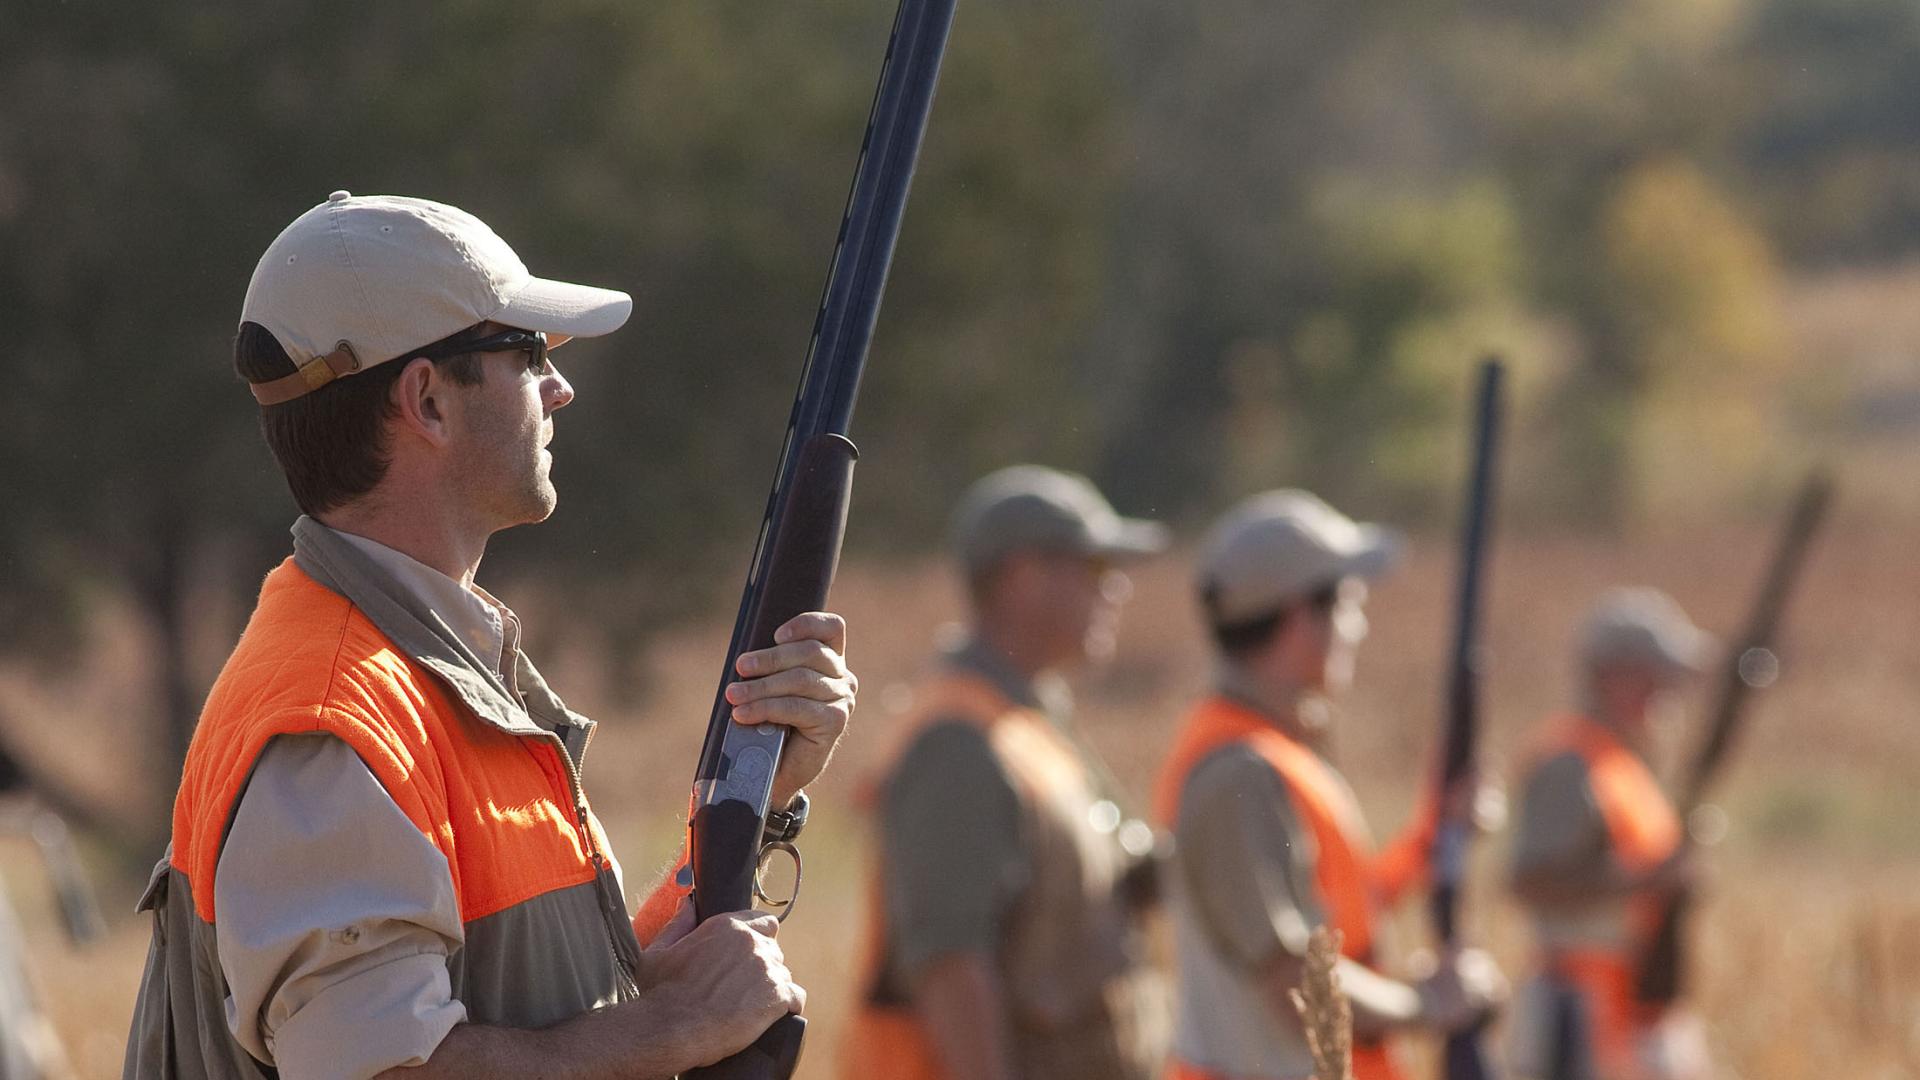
(799, 545)
(1465, 1058)
(1749, 664)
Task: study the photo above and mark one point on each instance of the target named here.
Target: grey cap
(1280, 546)
(1034, 508)
(1643, 627)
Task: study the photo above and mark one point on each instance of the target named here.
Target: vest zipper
(629, 982)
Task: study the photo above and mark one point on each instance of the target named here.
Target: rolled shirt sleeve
(1245, 858)
(334, 919)
(950, 837)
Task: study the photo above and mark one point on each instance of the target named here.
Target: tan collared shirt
(950, 834)
(484, 624)
(1243, 894)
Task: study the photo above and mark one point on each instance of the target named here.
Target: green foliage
(696, 153)
(1838, 154)
(1195, 250)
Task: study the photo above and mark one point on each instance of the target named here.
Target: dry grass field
(1809, 947)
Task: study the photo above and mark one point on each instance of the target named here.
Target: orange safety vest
(1642, 832)
(493, 791)
(499, 806)
(886, 1041)
(1344, 870)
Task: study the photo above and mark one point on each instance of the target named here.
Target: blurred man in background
(1598, 851)
(29, 1047)
(1269, 841)
(1003, 943)
(382, 856)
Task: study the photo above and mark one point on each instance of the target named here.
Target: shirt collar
(483, 624)
(1303, 719)
(1047, 694)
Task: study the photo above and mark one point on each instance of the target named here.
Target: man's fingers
(820, 721)
(821, 626)
(815, 655)
(794, 682)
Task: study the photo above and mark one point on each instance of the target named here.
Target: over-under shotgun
(799, 543)
(1750, 664)
(1466, 1058)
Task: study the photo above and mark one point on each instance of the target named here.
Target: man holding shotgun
(382, 860)
(1598, 853)
(1268, 838)
(1002, 943)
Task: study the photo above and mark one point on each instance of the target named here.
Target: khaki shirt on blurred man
(1002, 936)
(1269, 841)
(1598, 853)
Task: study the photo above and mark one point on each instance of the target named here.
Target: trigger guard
(782, 908)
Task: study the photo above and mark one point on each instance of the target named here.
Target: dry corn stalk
(1324, 1009)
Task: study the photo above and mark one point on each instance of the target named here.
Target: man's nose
(555, 391)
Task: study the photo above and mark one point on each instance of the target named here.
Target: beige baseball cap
(1280, 546)
(363, 279)
(1034, 508)
(1644, 627)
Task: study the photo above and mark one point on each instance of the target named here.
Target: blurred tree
(1695, 297)
(1301, 218)
(1194, 250)
(696, 154)
(1835, 148)
(1615, 122)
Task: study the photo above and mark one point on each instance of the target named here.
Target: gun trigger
(782, 908)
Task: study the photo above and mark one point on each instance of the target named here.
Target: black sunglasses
(530, 341)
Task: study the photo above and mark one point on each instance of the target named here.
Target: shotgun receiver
(1465, 1058)
(799, 543)
(1750, 665)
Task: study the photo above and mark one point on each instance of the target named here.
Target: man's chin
(546, 507)
(538, 507)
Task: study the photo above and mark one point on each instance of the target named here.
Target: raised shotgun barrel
(1465, 1057)
(799, 544)
(1749, 665)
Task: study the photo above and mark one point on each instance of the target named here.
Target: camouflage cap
(1643, 627)
(1278, 546)
(1034, 508)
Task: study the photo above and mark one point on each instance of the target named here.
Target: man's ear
(420, 399)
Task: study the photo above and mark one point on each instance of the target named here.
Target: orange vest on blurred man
(1599, 958)
(1074, 986)
(1346, 869)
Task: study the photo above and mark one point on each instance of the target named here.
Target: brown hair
(332, 443)
(1244, 637)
